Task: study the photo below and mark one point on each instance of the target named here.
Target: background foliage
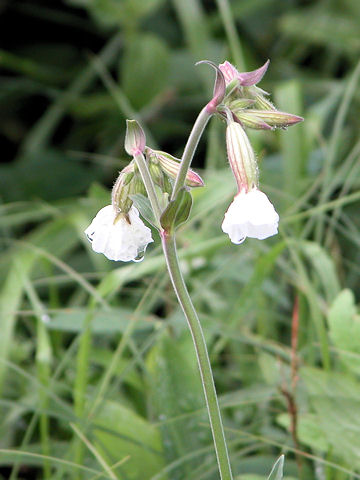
(97, 371)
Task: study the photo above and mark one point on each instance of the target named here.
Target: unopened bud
(264, 103)
(241, 157)
(156, 174)
(127, 178)
(120, 193)
(276, 118)
(241, 103)
(251, 121)
(137, 186)
(232, 87)
(259, 96)
(135, 138)
(171, 165)
(167, 185)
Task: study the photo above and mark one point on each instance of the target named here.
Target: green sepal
(233, 85)
(241, 103)
(127, 178)
(142, 203)
(177, 212)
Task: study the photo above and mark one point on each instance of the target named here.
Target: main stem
(169, 247)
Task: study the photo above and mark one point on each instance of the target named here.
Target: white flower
(251, 215)
(117, 237)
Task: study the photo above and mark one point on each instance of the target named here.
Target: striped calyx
(241, 157)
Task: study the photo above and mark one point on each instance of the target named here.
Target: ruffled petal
(251, 215)
(119, 238)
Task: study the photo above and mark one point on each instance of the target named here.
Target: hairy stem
(169, 247)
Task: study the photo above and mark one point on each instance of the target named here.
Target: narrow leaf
(143, 205)
(277, 470)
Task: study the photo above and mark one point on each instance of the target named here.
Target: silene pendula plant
(157, 187)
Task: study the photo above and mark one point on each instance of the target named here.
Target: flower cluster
(251, 214)
(249, 104)
(117, 230)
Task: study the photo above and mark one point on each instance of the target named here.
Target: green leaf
(120, 432)
(344, 324)
(143, 204)
(178, 402)
(178, 210)
(53, 237)
(116, 320)
(124, 369)
(269, 366)
(325, 268)
(335, 398)
(145, 68)
(277, 470)
(308, 430)
(248, 298)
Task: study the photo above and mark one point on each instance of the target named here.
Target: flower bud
(241, 157)
(127, 178)
(259, 96)
(167, 185)
(157, 174)
(275, 118)
(171, 165)
(232, 87)
(122, 188)
(135, 138)
(263, 103)
(137, 186)
(250, 121)
(241, 103)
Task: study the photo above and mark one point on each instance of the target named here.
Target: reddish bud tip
(135, 138)
(193, 179)
(275, 118)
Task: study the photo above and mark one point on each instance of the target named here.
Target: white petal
(117, 238)
(250, 215)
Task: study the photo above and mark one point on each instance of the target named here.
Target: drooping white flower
(251, 214)
(117, 236)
